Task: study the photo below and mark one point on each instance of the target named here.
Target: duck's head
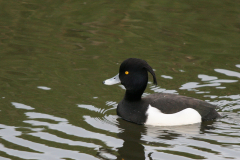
(133, 75)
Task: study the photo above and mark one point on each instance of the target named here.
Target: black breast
(133, 111)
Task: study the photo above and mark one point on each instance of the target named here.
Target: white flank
(184, 117)
(113, 80)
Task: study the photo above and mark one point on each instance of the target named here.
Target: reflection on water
(43, 87)
(228, 72)
(210, 80)
(55, 54)
(109, 137)
(21, 106)
(52, 137)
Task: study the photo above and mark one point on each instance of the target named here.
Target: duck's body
(166, 110)
(157, 109)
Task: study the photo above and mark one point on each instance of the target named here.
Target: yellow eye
(126, 72)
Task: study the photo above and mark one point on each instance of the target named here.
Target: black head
(133, 74)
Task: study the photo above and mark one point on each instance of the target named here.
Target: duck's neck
(133, 95)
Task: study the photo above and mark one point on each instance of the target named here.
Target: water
(55, 55)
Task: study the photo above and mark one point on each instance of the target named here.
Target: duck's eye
(126, 72)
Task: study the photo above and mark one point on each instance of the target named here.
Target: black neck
(134, 95)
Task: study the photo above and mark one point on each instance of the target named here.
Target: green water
(54, 56)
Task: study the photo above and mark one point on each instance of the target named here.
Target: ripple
(204, 77)
(44, 88)
(89, 107)
(101, 134)
(70, 129)
(8, 133)
(228, 72)
(33, 115)
(56, 139)
(193, 144)
(162, 90)
(167, 77)
(193, 85)
(107, 123)
(21, 106)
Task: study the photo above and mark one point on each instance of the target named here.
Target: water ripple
(101, 134)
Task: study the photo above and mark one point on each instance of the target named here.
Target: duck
(159, 109)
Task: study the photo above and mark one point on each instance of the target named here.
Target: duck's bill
(113, 80)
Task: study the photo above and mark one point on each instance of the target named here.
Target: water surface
(54, 56)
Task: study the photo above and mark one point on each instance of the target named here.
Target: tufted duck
(160, 109)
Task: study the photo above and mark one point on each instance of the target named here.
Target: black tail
(213, 114)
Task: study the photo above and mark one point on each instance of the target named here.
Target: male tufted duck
(160, 109)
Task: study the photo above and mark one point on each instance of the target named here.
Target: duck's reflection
(132, 147)
(135, 137)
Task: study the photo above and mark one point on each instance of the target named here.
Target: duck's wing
(172, 103)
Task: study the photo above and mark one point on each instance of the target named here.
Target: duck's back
(173, 103)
